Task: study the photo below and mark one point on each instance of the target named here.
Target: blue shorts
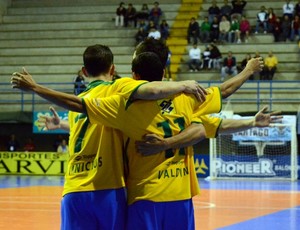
(94, 210)
(149, 215)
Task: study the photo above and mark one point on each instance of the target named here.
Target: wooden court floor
(33, 203)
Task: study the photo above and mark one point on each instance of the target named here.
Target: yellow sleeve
(211, 125)
(127, 86)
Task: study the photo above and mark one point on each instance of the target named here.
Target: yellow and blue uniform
(95, 167)
(166, 177)
(211, 124)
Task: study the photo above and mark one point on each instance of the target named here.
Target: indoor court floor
(33, 203)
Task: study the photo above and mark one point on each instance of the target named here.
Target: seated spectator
(285, 27)
(143, 14)
(13, 144)
(295, 28)
(154, 33)
(224, 28)
(164, 29)
(225, 9)
(155, 13)
(63, 147)
(207, 62)
(140, 35)
(168, 75)
(194, 62)
(277, 30)
(244, 63)
(234, 32)
(270, 66)
(297, 8)
(120, 14)
(29, 145)
(79, 83)
(245, 29)
(130, 16)
(288, 9)
(262, 19)
(213, 11)
(238, 8)
(271, 20)
(215, 30)
(193, 31)
(149, 26)
(229, 66)
(215, 56)
(205, 30)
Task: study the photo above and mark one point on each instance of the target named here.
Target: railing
(257, 92)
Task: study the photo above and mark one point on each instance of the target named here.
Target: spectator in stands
(213, 11)
(149, 26)
(168, 74)
(13, 144)
(295, 28)
(215, 56)
(205, 30)
(238, 8)
(244, 63)
(79, 83)
(271, 20)
(229, 66)
(270, 63)
(224, 28)
(262, 19)
(288, 9)
(215, 30)
(154, 33)
(63, 147)
(164, 29)
(155, 13)
(194, 61)
(143, 14)
(245, 29)
(140, 35)
(207, 62)
(225, 9)
(297, 8)
(29, 145)
(234, 32)
(193, 31)
(285, 28)
(277, 30)
(120, 14)
(130, 16)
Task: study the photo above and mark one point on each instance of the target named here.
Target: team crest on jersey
(166, 106)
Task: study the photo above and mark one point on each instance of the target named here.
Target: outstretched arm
(24, 81)
(153, 143)
(234, 83)
(261, 119)
(53, 122)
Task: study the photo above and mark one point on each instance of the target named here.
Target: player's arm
(162, 89)
(233, 84)
(153, 143)
(261, 119)
(24, 81)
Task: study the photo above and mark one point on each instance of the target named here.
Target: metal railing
(258, 92)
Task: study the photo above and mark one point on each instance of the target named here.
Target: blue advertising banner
(38, 125)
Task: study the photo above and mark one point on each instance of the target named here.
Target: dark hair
(97, 59)
(148, 66)
(156, 46)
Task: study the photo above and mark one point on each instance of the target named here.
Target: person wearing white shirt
(154, 33)
(195, 58)
(288, 9)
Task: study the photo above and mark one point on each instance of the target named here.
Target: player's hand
(49, 123)
(23, 80)
(255, 64)
(151, 144)
(263, 119)
(193, 87)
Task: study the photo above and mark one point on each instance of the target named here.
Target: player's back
(95, 151)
